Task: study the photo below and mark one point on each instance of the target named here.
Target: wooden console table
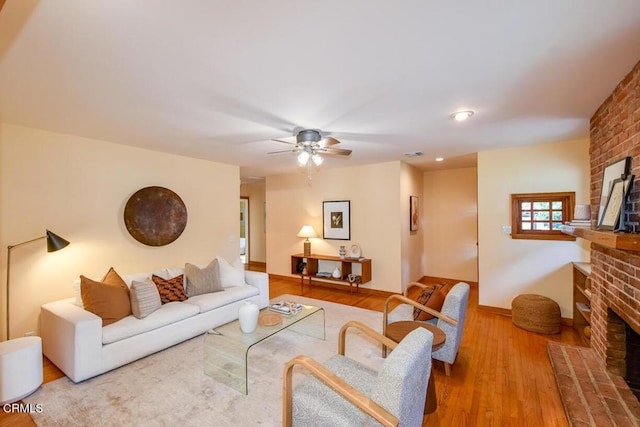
(345, 265)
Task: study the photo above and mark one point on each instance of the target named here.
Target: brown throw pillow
(171, 289)
(108, 299)
(432, 297)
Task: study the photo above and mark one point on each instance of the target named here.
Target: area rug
(171, 388)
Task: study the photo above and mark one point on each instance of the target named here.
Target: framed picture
(414, 213)
(617, 170)
(336, 218)
(615, 205)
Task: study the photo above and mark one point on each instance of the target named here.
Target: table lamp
(307, 231)
(54, 243)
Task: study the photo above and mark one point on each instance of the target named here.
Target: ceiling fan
(311, 145)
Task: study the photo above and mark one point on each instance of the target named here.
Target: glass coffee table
(226, 348)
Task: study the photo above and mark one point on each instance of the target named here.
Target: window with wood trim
(541, 215)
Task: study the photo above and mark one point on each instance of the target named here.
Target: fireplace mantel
(609, 239)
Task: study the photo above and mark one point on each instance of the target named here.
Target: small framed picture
(414, 213)
(615, 205)
(616, 170)
(336, 218)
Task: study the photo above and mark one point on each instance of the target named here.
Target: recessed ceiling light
(462, 115)
(439, 159)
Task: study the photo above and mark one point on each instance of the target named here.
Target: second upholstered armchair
(450, 319)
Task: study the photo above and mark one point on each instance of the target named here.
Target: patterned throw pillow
(145, 298)
(108, 299)
(432, 297)
(171, 289)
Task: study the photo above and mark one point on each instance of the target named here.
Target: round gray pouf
(536, 313)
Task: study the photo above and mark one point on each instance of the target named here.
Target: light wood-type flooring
(502, 376)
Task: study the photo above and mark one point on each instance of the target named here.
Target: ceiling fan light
(461, 115)
(303, 158)
(317, 159)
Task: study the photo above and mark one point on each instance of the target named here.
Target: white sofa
(77, 343)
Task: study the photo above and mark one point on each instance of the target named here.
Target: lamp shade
(55, 242)
(307, 231)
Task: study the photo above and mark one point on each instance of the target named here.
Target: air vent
(414, 154)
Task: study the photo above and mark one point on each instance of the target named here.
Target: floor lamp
(54, 243)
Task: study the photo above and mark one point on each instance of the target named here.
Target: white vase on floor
(248, 317)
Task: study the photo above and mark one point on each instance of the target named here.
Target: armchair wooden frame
(336, 383)
(405, 299)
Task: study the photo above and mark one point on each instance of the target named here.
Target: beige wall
(412, 253)
(451, 224)
(374, 192)
(509, 267)
(78, 188)
(257, 238)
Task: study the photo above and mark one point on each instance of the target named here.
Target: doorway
(244, 230)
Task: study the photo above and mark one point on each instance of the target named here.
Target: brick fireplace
(615, 277)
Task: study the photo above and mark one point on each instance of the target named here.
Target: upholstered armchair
(450, 319)
(344, 392)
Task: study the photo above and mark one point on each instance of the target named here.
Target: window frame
(568, 203)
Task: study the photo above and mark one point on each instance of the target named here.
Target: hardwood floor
(502, 376)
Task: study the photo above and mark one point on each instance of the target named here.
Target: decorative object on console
(342, 252)
(354, 251)
(354, 278)
(414, 213)
(336, 218)
(54, 243)
(617, 170)
(582, 213)
(155, 216)
(307, 231)
(336, 273)
(248, 316)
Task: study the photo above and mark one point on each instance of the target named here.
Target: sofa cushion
(130, 326)
(211, 301)
(231, 274)
(202, 280)
(170, 289)
(145, 298)
(108, 299)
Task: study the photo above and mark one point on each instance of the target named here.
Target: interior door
(244, 230)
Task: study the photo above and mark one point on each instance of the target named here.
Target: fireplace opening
(632, 359)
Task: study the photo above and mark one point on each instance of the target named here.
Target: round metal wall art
(155, 216)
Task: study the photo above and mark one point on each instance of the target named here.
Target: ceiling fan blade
(335, 151)
(328, 142)
(284, 151)
(285, 142)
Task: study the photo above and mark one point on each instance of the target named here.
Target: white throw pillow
(230, 274)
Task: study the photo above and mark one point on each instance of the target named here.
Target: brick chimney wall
(615, 277)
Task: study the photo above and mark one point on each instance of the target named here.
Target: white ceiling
(218, 79)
